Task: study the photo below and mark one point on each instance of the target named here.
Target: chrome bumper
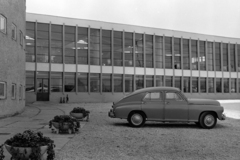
(223, 116)
(111, 114)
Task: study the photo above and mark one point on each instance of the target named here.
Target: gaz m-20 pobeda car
(166, 104)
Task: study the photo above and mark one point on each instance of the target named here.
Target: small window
(13, 91)
(3, 90)
(3, 24)
(21, 38)
(14, 31)
(153, 96)
(173, 96)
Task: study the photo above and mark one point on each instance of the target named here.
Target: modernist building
(93, 61)
(12, 56)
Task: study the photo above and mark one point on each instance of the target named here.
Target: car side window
(173, 96)
(153, 96)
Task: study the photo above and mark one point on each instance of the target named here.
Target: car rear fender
(123, 111)
(139, 111)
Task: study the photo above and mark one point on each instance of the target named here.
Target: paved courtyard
(103, 138)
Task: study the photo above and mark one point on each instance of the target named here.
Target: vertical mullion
(63, 48)
(181, 52)
(100, 52)
(190, 56)
(164, 76)
(154, 60)
(112, 57)
(49, 57)
(76, 61)
(144, 60)
(35, 49)
(173, 63)
(89, 41)
(123, 61)
(134, 63)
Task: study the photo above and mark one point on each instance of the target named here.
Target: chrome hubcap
(136, 119)
(209, 120)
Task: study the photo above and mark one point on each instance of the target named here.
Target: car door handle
(166, 102)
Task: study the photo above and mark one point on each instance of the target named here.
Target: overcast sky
(213, 17)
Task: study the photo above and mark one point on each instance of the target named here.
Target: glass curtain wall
(118, 83)
(30, 85)
(177, 53)
(168, 52)
(82, 45)
(139, 56)
(69, 81)
(70, 44)
(202, 58)
(82, 82)
(210, 56)
(128, 83)
(186, 56)
(106, 82)
(139, 82)
(149, 51)
(30, 42)
(118, 48)
(106, 48)
(159, 81)
(194, 55)
(178, 82)
(94, 82)
(168, 81)
(232, 58)
(56, 81)
(226, 85)
(233, 85)
(218, 85)
(238, 54)
(203, 83)
(186, 84)
(128, 50)
(218, 56)
(56, 44)
(149, 81)
(159, 51)
(42, 42)
(211, 85)
(194, 84)
(94, 46)
(225, 56)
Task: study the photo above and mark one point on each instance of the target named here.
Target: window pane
(226, 85)
(82, 82)
(178, 82)
(56, 81)
(203, 85)
(211, 85)
(202, 58)
(69, 85)
(128, 51)
(168, 81)
(177, 53)
(194, 55)
(106, 83)
(94, 82)
(159, 80)
(210, 56)
(139, 82)
(168, 52)
(218, 85)
(118, 83)
(149, 81)
(30, 86)
(128, 83)
(186, 85)
(194, 84)
(186, 57)
(3, 24)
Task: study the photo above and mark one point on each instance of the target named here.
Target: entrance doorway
(42, 89)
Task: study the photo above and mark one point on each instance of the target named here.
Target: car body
(166, 104)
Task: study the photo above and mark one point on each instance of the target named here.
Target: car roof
(148, 89)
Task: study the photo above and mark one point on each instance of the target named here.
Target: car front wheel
(136, 119)
(208, 120)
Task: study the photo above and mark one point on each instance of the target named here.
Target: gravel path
(104, 138)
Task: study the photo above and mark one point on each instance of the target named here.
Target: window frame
(5, 90)
(20, 92)
(21, 37)
(176, 93)
(14, 86)
(5, 25)
(14, 37)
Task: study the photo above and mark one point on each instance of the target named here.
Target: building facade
(93, 61)
(12, 60)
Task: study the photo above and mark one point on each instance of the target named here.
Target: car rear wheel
(136, 119)
(208, 120)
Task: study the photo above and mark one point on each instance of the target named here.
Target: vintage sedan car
(166, 104)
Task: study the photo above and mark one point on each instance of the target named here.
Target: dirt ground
(104, 138)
